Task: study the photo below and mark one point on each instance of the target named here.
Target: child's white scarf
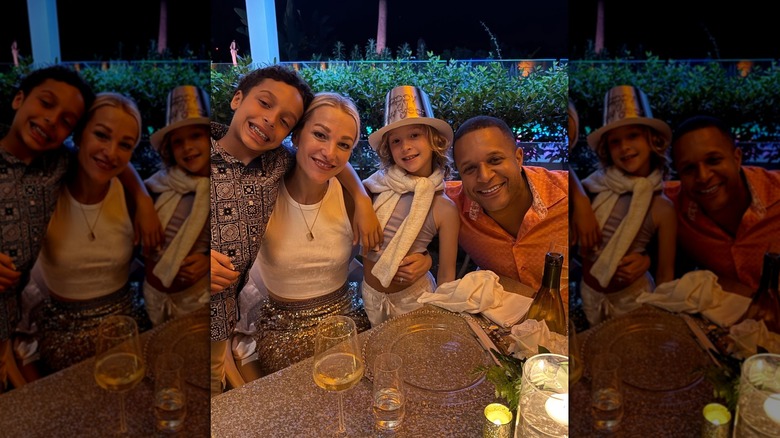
(171, 184)
(610, 185)
(390, 185)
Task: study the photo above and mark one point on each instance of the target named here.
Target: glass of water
(170, 402)
(606, 392)
(543, 409)
(389, 399)
(758, 405)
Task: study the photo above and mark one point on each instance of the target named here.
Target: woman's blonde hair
(114, 100)
(334, 100)
(439, 145)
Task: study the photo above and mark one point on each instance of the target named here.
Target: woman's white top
(293, 267)
(76, 268)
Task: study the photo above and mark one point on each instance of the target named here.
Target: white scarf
(390, 185)
(171, 184)
(610, 185)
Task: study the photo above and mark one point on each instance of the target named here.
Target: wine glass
(337, 362)
(119, 364)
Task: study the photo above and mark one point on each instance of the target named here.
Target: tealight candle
(717, 419)
(772, 407)
(557, 407)
(497, 421)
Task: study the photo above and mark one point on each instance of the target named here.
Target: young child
(629, 204)
(410, 203)
(49, 104)
(247, 164)
(176, 280)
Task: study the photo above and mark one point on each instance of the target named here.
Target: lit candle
(557, 407)
(772, 407)
(497, 413)
(717, 414)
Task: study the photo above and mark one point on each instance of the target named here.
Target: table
(69, 403)
(289, 403)
(668, 413)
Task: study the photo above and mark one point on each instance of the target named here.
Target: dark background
(679, 29)
(523, 29)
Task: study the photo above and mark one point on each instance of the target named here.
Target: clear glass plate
(656, 349)
(440, 355)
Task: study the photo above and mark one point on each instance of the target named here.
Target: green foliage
(534, 105)
(680, 89)
(147, 82)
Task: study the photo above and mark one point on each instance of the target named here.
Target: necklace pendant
(91, 236)
(309, 236)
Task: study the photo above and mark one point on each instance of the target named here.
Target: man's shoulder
(557, 177)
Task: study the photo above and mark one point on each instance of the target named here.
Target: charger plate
(656, 349)
(189, 337)
(440, 357)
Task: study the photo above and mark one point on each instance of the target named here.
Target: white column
(263, 39)
(44, 32)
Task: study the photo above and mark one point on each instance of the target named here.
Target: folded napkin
(748, 335)
(528, 336)
(479, 292)
(698, 292)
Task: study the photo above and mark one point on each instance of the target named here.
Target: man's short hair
(481, 122)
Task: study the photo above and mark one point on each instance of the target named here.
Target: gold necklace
(91, 235)
(310, 235)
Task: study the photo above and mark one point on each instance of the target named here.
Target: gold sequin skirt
(68, 329)
(286, 330)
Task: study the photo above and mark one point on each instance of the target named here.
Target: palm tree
(162, 37)
(381, 29)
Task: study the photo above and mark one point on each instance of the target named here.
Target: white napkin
(528, 336)
(698, 292)
(748, 335)
(480, 292)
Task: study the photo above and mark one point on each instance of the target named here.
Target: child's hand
(147, 226)
(223, 273)
(631, 267)
(365, 227)
(412, 267)
(9, 276)
(192, 268)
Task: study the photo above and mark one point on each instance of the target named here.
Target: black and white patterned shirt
(242, 198)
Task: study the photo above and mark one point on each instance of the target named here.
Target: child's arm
(666, 218)
(223, 273)
(448, 241)
(584, 229)
(365, 225)
(148, 229)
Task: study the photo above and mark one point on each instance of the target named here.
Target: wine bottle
(765, 305)
(548, 304)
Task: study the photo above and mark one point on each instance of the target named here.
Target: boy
(49, 105)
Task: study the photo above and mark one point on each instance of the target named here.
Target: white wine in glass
(119, 364)
(337, 362)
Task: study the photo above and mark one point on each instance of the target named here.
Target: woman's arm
(584, 229)
(148, 229)
(365, 225)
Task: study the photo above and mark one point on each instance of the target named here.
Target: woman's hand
(148, 229)
(631, 267)
(365, 226)
(223, 273)
(412, 267)
(9, 276)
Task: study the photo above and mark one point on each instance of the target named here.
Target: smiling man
(510, 213)
(728, 215)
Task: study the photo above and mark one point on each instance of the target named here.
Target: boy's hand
(147, 226)
(192, 268)
(365, 227)
(9, 276)
(412, 267)
(223, 273)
